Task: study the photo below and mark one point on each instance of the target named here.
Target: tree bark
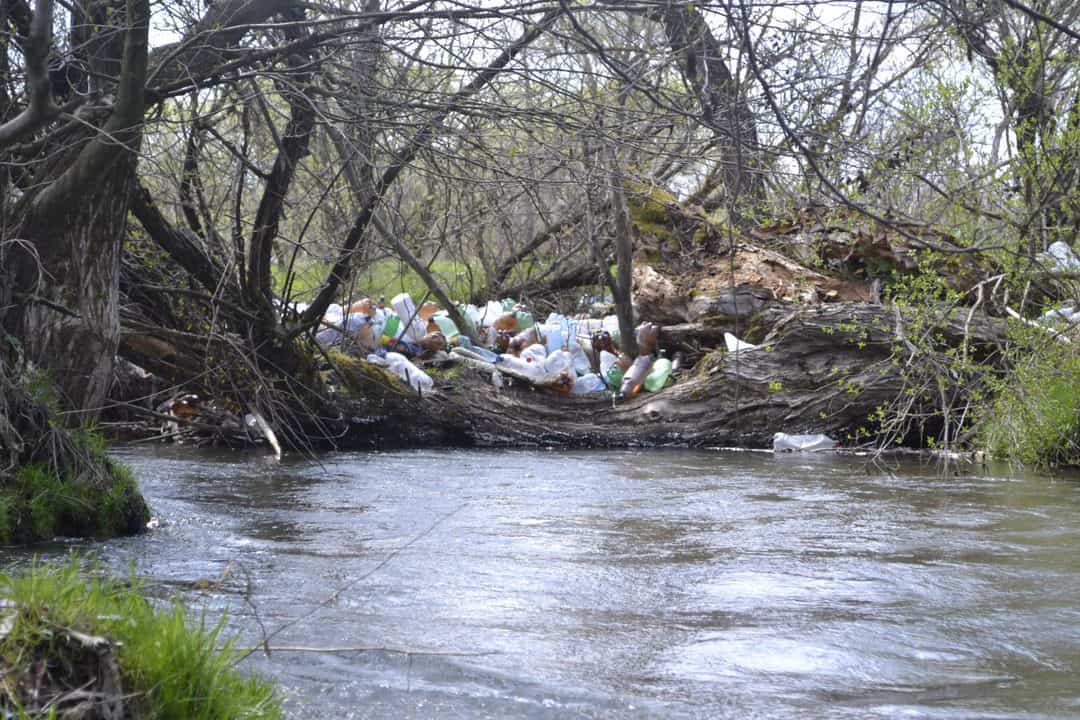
(70, 290)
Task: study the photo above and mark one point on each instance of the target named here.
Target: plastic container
(391, 327)
(590, 383)
(363, 306)
(477, 353)
(405, 308)
(559, 361)
(359, 328)
(607, 360)
(446, 325)
(490, 312)
(634, 378)
(658, 375)
(522, 340)
(782, 442)
(506, 322)
(648, 337)
(409, 373)
(531, 370)
(582, 366)
(534, 354)
(553, 336)
(334, 314)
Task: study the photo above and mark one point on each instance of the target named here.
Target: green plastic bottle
(658, 376)
(614, 376)
(446, 325)
(391, 327)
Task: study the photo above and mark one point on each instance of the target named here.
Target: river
(624, 584)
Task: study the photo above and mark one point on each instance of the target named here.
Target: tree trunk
(68, 285)
(72, 325)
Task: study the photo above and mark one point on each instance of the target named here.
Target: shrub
(1034, 418)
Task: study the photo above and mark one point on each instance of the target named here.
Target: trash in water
(782, 442)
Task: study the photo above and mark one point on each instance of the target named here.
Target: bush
(1035, 418)
(67, 632)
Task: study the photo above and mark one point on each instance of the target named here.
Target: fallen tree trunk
(858, 372)
(826, 368)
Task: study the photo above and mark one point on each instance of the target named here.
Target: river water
(545, 584)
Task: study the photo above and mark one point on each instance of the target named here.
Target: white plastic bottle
(405, 308)
(414, 376)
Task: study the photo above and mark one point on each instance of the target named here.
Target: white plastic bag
(734, 344)
(802, 443)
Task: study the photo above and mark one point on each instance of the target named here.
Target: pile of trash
(569, 355)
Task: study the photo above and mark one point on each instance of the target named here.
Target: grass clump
(38, 503)
(67, 632)
(1035, 418)
(56, 480)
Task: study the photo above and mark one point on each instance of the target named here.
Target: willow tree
(70, 139)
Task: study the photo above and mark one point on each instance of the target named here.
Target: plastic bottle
(529, 369)
(559, 361)
(648, 337)
(412, 375)
(634, 378)
(391, 327)
(427, 310)
(433, 342)
(581, 360)
(678, 362)
(334, 314)
(658, 376)
(617, 370)
(602, 342)
(523, 340)
(490, 312)
(607, 360)
(446, 325)
(802, 443)
(525, 319)
(406, 309)
(564, 383)
(364, 306)
(553, 336)
(378, 323)
(477, 353)
(590, 383)
(535, 353)
(358, 328)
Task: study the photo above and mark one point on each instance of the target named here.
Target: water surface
(547, 584)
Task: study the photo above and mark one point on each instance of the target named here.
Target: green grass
(386, 277)
(1035, 418)
(172, 667)
(36, 503)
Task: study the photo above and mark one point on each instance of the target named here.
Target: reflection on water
(628, 584)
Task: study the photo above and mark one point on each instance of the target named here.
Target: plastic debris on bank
(570, 355)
